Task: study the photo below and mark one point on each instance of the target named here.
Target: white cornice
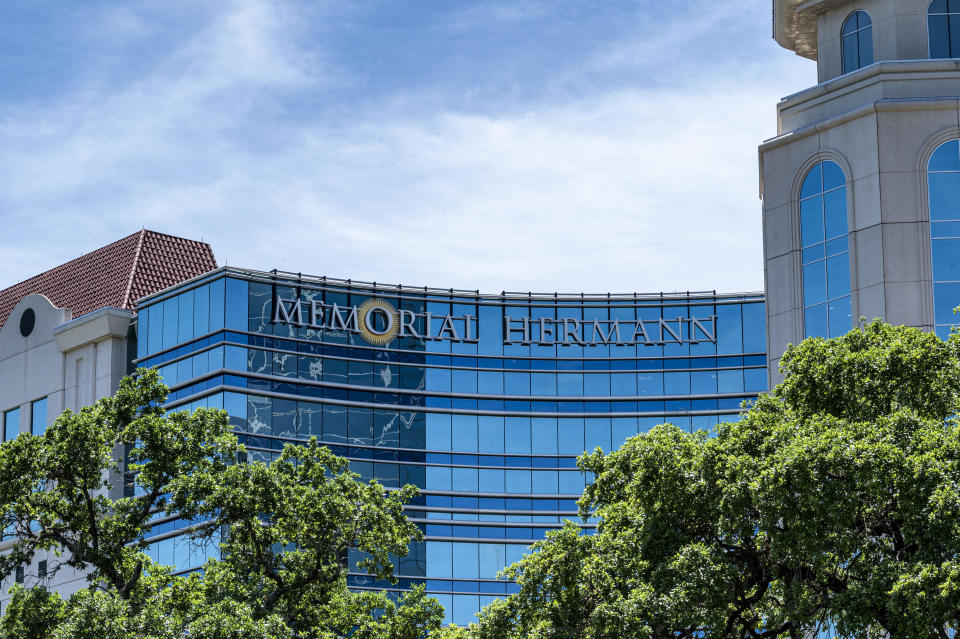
(93, 327)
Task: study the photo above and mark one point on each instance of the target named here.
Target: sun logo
(384, 332)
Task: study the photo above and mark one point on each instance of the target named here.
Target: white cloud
(622, 190)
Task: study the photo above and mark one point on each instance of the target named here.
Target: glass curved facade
(483, 401)
(825, 252)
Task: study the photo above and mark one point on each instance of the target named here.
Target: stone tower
(861, 185)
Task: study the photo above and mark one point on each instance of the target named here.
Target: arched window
(857, 41)
(825, 252)
(943, 180)
(943, 28)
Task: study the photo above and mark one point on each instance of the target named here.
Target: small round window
(27, 321)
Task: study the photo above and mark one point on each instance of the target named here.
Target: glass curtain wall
(488, 425)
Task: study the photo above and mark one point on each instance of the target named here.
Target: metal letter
(407, 318)
(664, 325)
(547, 330)
(605, 339)
(508, 330)
(710, 335)
(576, 331)
(448, 327)
(350, 324)
(428, 329)
(639, 330)
(468, 323)
(316, 314)
(283, 316)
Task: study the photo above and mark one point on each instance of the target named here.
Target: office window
(857, 41)
(11, 424)
(38, 417)
(943, 28)
(825, 255)
(943, 178)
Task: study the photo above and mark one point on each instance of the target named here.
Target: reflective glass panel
(11, 424)
(945, 229)
(946, 297)
(943, 26)
(815, 321)
(814, 284)
(813, 183)
(946, 260)
(835, 213)
(811, 221)
(38, 417)
(944, 187)
(839, 313)
(945, 196)
(857, 41)
(946, 157)
(838, 276)
(826, 270)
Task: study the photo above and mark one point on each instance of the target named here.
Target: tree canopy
(284, 530)
(833, 503)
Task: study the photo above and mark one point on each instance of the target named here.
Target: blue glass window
(857, 41)
(465, 433)
(943, 28)
(171, 312)
(493, 559)
(943, 176)
(490, 434)
(229, 304)
(465, 609)
(570, 436)
(11, 424)
(185, 319)
(143, 331)
(517, 435)
(439, 559)
(825, 252)
(154, 329)
(38, 417)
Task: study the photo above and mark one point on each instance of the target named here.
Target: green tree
(284, 530)
(833, 503)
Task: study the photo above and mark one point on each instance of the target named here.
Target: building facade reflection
(483, 401)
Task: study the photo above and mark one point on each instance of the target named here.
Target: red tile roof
(116, 275)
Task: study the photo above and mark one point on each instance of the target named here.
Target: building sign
(574, 332)
(379, 322)
(376, 320)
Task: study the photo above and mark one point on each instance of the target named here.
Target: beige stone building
(65, 341)
(861, 185)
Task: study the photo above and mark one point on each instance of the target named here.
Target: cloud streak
(235, 134)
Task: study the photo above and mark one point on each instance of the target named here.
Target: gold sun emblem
(384, 332)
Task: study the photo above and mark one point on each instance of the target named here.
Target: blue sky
(543, 145)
